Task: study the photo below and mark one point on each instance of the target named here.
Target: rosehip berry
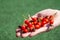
(30, 25)
(43, 23)
(23, 27)
(46, 19)
(39, 23)
(51, 17)
(26, 21)
(25, 31)
(37, 26)
(34, 19)
(35, 22)
(31, 28)
(51, 21)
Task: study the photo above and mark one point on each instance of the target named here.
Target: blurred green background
(11, 12)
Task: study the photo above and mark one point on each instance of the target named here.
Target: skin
(45, 12)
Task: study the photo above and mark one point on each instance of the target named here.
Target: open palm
(45, 12)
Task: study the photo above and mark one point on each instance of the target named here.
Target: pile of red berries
(36, 23)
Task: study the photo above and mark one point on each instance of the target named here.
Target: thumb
(56, 20)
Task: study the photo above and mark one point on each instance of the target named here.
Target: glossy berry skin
(34, 19)
(37, 26)
(25, 31)
(43, 23)
(26, 21)
(39, 23)
(35, 22)
(51, 17)
(30, 25)
(23, 27)
(31, 28)
(46, 20)
(51, 21)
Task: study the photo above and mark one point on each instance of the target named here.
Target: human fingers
(25, 34)
(37, 31)
(18, 32)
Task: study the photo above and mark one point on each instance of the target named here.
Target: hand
(46, 12)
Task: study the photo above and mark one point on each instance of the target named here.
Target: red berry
(43, 23)
(26, 21)
(30, 25)
(51, 21)
(23, 27)
(51, 17)
(39, 23)
(31, 28)
(34, 19)
(46, 19)
(34, 22)
(37, 26)
(25, 30)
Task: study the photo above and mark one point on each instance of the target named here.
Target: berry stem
(24, 17)
(29, 16)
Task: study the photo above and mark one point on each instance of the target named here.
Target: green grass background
(11, 12)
